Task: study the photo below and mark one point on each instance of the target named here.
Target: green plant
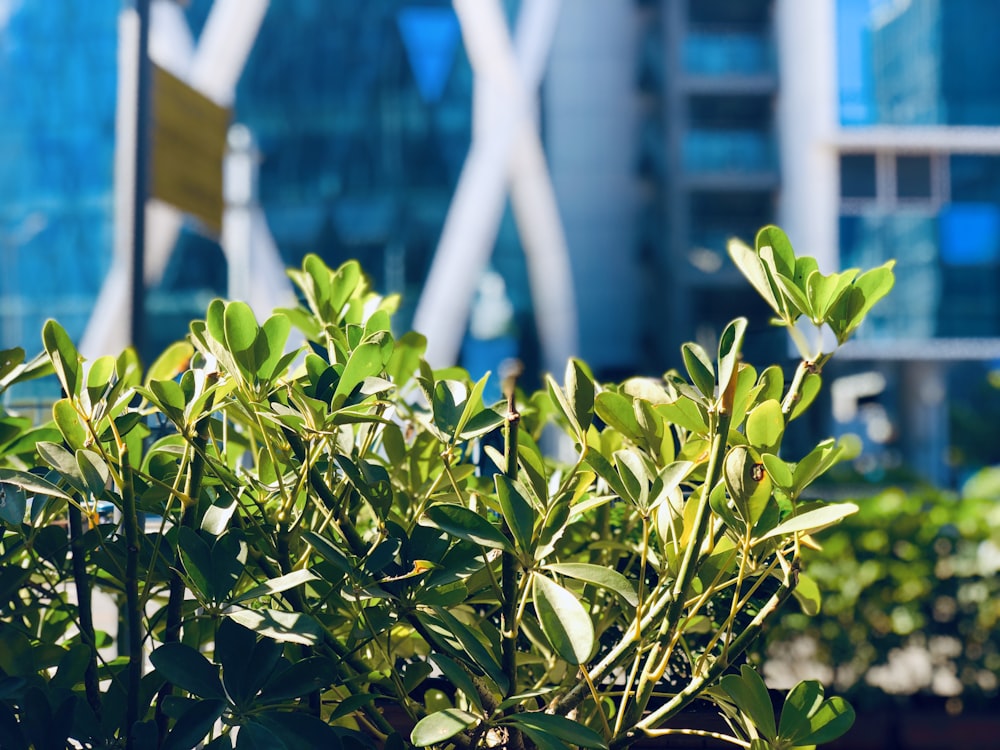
(910, 578)
(312, 538)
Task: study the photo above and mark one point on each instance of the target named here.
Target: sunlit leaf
(441, 725)
(564, 620)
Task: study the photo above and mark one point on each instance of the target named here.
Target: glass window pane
(921, 62)
(913, 177)
(975, 178)
(857, 176)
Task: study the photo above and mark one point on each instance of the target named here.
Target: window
(890, 181)
(913, 177)
(857, 176)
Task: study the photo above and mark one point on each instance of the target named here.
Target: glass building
(868, 129)
(58, 77)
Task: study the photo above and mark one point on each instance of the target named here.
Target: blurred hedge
(912, 599)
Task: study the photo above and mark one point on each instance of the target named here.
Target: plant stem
(130, 522)
(740, 644)
(509, 569)
(321, 488)
(175, 599)
(81, 581)
(656, 660)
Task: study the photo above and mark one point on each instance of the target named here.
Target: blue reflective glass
(58, 79)
(947, 270)
(728, 151)
(921, 62)
(729, 53)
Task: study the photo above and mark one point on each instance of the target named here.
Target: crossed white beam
(505, 154)
(213, 67)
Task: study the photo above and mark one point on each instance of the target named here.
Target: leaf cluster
(313, 528)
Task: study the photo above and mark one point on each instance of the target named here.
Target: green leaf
(406, 354)
(276, 585)
(750, 694)
(299, 679)
(831, 720)
(64, 462)
(825, 291)
(810, 389)
(473, 651)
(465, 524)
(739, 471)
(564, 407)
(196, 556)
(765, 426)
(632, 470)
(818, 461)
(100, 377)
(535, 723)
(781, 249)
(606, 472)
(64, 356)
(269, 346)
(808, 594)
(169, 397)
(482, 423)
(813, 520)
(778, 470)
(287, 627)
(854, 304)
(188, 669)
(772, 383)
(171, 363)
(564, 620)
(344, 283)
(517, 512)
(441, 725)
(13, 504)
(241, 330)
(699, 367)
(457, 677)
(473, 405)
(751, 266)
(685, 413)
(598, 575)
(365, 361)
(796, 296)
(10, 359)
(618, 411)
(31, 484)
(581, 392)
(730, 344)
(801, 702)
(194, 725)
(68, 422)
(95, 472)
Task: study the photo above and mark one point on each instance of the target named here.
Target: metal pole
(141, 186)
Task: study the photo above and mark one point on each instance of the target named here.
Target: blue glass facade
(362, 114)
(58, 78)
(947, 244)
(921, 62)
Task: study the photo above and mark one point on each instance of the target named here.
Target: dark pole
(143, 96)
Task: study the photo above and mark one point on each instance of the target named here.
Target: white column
(808, 120)
(214, 69)
(505, 147)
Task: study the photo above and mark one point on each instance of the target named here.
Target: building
(866, 128)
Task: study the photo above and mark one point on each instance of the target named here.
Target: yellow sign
(188, 142)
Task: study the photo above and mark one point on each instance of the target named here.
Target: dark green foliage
(313, 543)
